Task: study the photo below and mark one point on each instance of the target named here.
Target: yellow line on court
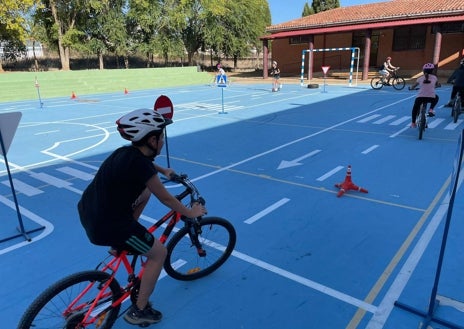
(317, 188)
(360, 313)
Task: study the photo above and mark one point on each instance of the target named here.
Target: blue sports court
(268, 162)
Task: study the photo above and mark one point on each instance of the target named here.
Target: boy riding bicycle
(112, 203)
(426, 94)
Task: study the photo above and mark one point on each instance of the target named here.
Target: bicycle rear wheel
(184, 262)
(377, 83)
(398, 83)
(53, 307)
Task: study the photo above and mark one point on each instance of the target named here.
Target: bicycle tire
(218, 239)
(398, 83)
(422, 123)
(376, 83)
(47, 310)
(456, 109)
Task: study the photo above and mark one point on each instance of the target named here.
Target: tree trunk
(64, 52)
(101, 65)
(36, 62)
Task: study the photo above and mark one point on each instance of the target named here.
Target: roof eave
(367, 21)
(371, 25)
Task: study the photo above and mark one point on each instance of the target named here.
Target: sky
(286, 10)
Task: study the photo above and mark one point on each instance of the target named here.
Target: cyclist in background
(388, 68)
(457, 78)
(275, 73)
(221, 74)
(112, 203)
(427, 84)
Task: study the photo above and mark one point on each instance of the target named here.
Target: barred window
(409, 38)
(299, 39)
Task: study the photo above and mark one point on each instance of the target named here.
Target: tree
(307, 10)
(59, 18)
(13, 25)
(323, 5)
(235, 29)
(104, 27)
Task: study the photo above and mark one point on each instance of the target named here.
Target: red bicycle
(92, 299)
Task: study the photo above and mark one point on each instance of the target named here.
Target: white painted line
(296, 162)
(446, 301)
(434, 123)
(394, 292)
(392, 295)
(383, 120)
(46, 132)
(51, 180)
(400, 131)
(266, 211)
(26, 213)
(76, 173)
(453, 125)
(369, 118)
(370, 149)
(320, 132)
(22, 187)
(330, 173)
(400, 120)
(306, 282)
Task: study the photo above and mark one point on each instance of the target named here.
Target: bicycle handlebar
(190, 188)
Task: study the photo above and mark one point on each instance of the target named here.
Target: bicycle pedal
(431, 114)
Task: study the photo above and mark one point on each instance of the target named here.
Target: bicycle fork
(195, 231)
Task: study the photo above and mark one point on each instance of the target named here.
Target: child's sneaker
(431, 113)
(142, 317)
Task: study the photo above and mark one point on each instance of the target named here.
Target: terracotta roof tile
(378, 12)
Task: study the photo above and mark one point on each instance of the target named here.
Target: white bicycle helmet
(139, 123)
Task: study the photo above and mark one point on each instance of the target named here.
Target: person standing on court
(275, 73)
(427, 84)
(112, 203)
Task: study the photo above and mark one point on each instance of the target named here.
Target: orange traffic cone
(73, 95)
(347, 184)
(126, 91)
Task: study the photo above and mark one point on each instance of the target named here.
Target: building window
(450, 27)
(299, 39)
(409, 38)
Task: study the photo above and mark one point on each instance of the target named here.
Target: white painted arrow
(296, 162)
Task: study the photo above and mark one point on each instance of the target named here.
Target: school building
(412, 32)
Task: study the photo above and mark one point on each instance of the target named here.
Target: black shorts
(134, 238)
(127, 234)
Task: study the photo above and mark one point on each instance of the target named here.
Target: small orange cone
(73, 95)
(347, 184)
(126, 91)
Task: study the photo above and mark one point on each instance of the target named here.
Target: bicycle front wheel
(398, 83)
(66, 303)
(456, 109)
(377, 83)
(185, 262)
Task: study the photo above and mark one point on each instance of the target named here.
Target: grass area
(21, 85)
